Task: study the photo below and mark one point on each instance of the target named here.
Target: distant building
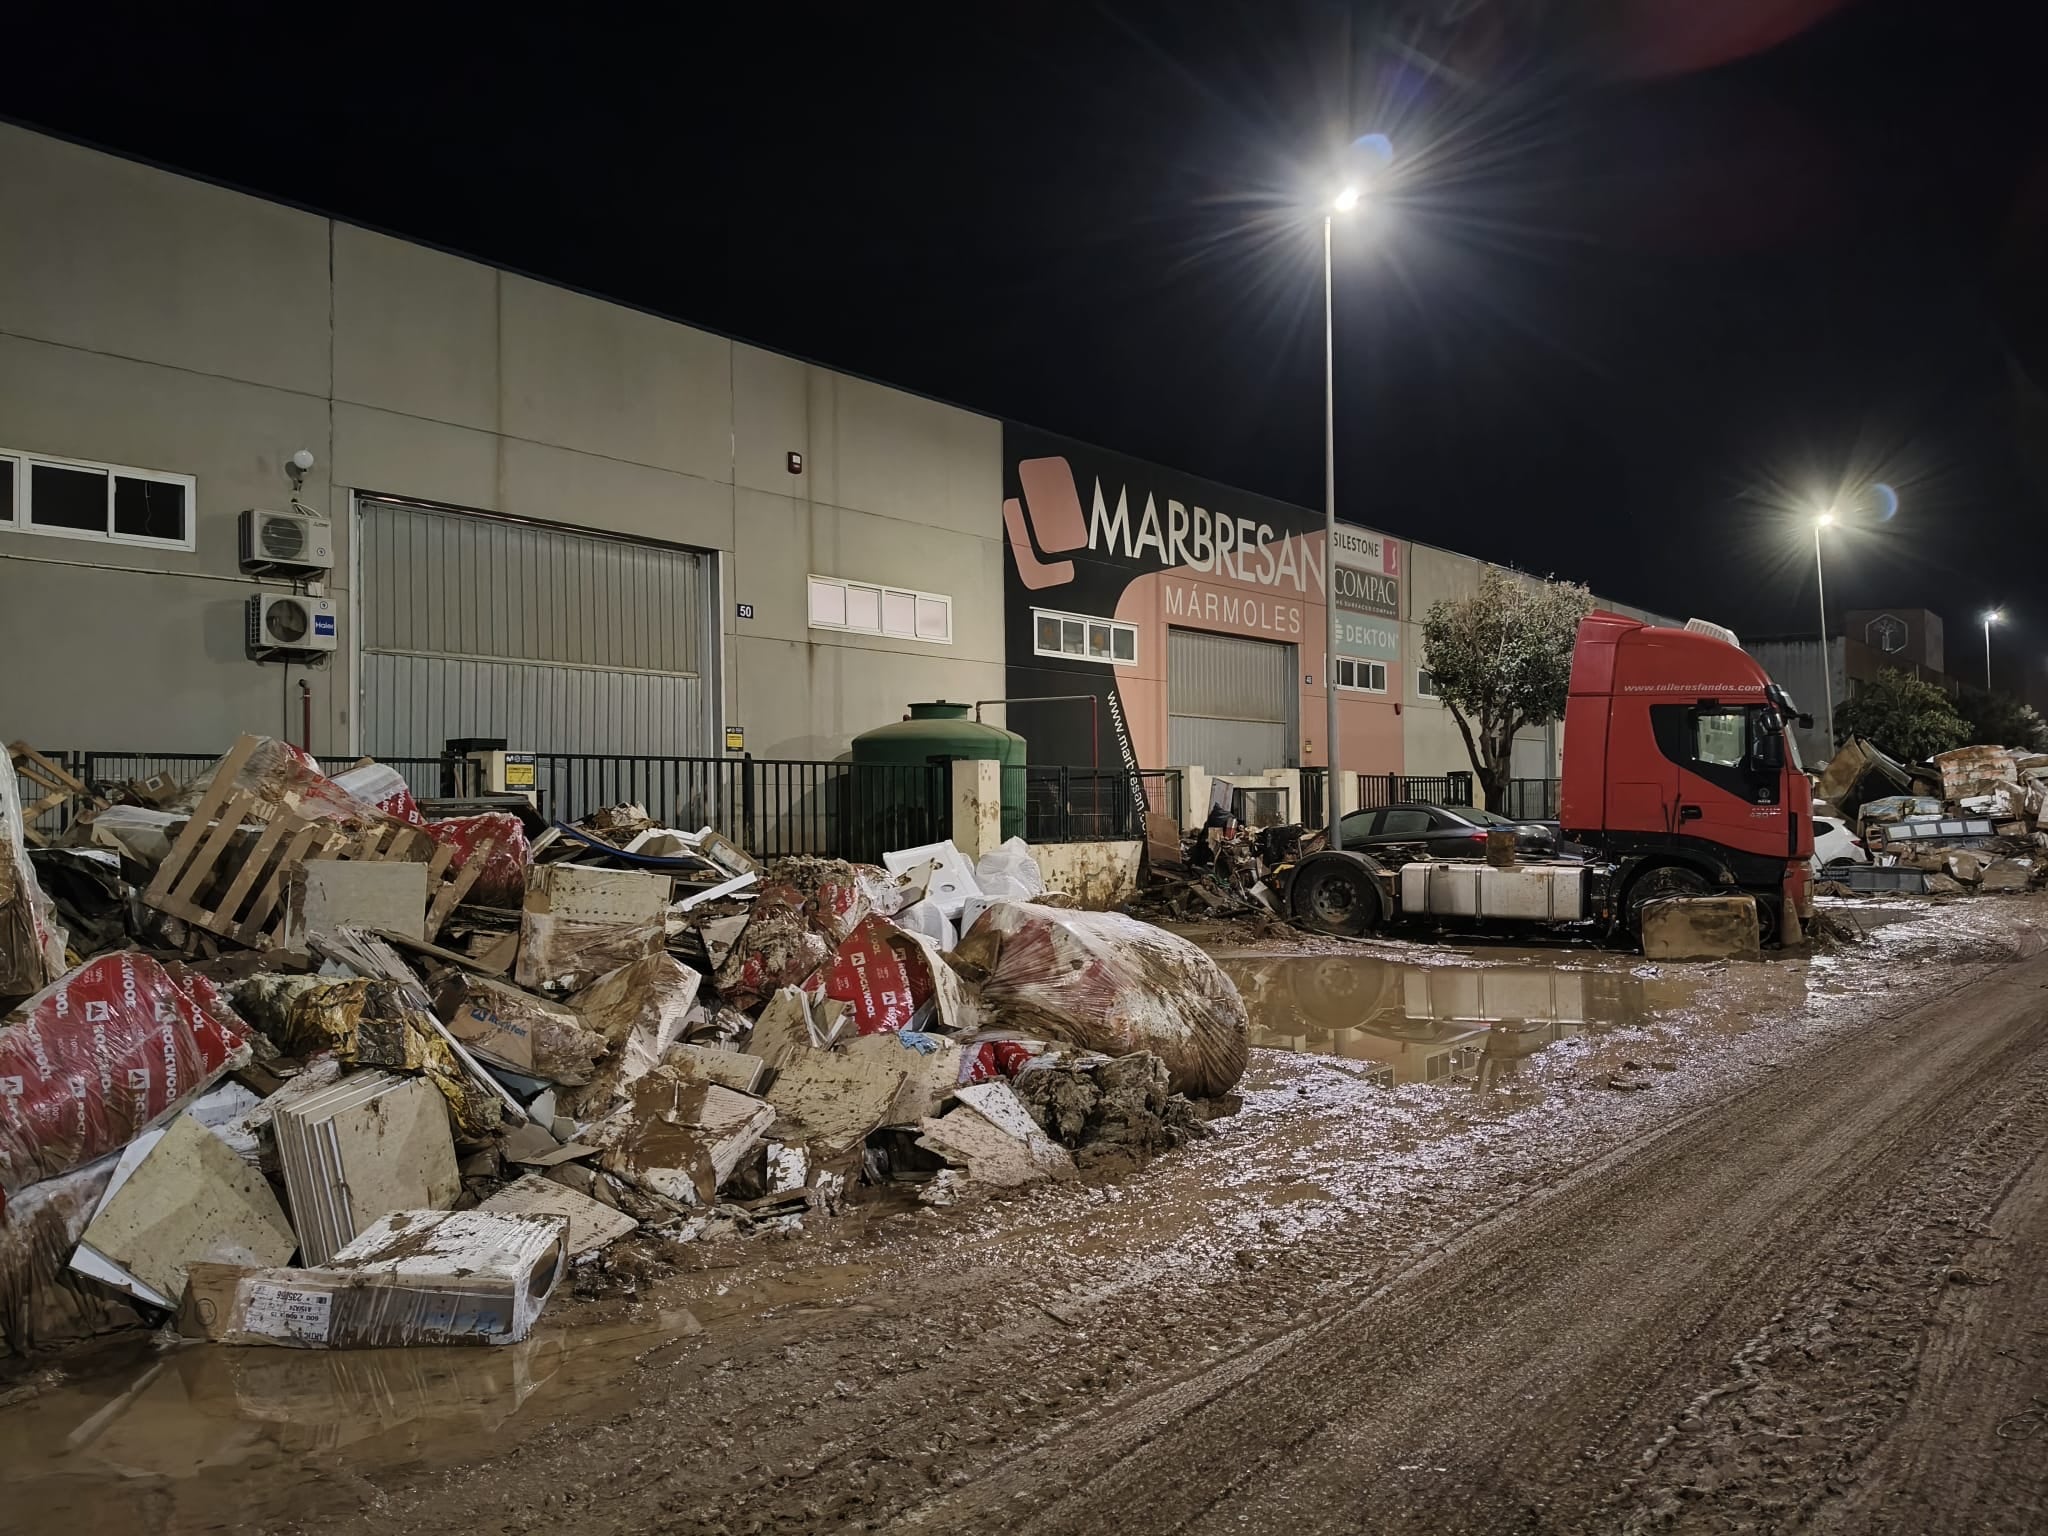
(1873, 640)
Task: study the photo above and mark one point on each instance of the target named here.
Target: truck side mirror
(1805, 722)
(1770, 753)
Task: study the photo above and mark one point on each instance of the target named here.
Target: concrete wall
(1097, 876)
(152, 321)
(1431, 741)
(1795, 666)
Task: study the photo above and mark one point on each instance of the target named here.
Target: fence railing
(1085, 805)
(1531, 800)
(1378, 789)
(771, 808)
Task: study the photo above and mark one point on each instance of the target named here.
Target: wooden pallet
(250, 909)
(31, 767)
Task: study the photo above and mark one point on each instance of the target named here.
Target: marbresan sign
(1082, 525)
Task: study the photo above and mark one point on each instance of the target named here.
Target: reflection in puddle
(1438, 1023)
(203, 1408)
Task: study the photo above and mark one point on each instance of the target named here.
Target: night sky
(1645, 279)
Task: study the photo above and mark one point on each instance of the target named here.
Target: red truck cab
(1679, 769)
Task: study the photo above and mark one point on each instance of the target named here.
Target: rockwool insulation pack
(103, 1054)
(1108, 983)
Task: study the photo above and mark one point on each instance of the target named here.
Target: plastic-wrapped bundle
(502, 880)
(102, 1055)
(1109, 983)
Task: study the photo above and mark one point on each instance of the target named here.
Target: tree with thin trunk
(1501, 661)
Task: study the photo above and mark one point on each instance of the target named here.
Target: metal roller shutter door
(1230, 702)
(555, 641)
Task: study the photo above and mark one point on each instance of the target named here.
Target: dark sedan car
(1443, 831)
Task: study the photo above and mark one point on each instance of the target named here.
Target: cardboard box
(415, 1277)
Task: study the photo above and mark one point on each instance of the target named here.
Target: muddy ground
(1502, 1240)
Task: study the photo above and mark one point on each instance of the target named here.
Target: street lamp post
(1827, 682)
(1995, 616)
(1333, 799)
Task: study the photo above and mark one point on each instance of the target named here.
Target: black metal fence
(1378, 789)
(1314, 785)
(1531, 800)
(771, 808)
(1085, 805)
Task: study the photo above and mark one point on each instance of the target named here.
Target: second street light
(1994, 616)
(1333, 799)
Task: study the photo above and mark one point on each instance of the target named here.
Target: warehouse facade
(538, 515)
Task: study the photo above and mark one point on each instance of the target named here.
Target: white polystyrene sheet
(952, 884)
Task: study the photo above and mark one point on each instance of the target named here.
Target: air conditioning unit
(284, 626)
(286, 541)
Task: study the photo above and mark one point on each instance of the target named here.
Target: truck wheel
(1338, 896)
(1652, 884)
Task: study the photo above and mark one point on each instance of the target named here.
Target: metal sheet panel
(1228, 677)
(1231, 702)
(1226, 746)
(555, 640)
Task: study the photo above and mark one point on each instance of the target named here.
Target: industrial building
(524, 512)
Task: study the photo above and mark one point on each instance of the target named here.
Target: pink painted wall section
(1289, 610)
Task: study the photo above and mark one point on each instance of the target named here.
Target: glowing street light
(1994, 616)
(1827, 682)
(1333, 798)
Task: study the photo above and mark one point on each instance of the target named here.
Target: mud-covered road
(1765, 1250)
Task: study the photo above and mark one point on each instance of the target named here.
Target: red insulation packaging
(102, 1055)
(884, 984)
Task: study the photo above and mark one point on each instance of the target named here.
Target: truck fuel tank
(1525, 893)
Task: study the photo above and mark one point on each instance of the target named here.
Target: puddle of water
(1433, 1023)
(214, 1430)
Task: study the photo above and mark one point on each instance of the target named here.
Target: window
(1718, 738)
(74, 499)
(1406, 823)
(1425, 684)
(867, 608)
(1361, 676)
(1090, 639)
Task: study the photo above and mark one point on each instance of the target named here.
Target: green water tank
(941, 732)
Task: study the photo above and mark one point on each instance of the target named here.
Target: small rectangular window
(1425, 684)
(79, 499)
(828, 603)
(1719, 738)
(1361, 676)
(864, 609)
(1110, 641)
(149, 509)
(63, 497)
(899, 614)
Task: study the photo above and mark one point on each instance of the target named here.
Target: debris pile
(1972, 821)
(300, 1067)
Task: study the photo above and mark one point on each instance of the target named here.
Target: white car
(1834, 840)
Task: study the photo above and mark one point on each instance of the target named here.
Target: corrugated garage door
(1230, 702)
(556, 641)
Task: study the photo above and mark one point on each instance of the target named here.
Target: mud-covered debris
(1122, 1109)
